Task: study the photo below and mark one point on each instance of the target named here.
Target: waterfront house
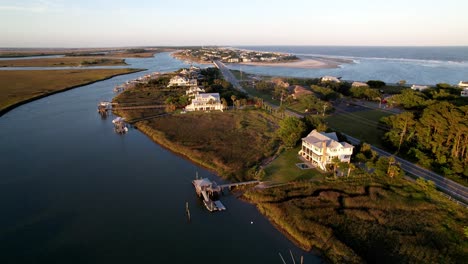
(321, 148)
(464, 92)
(182, 81)
(420, 88)
(463, 84)
(194, 90)
(359, 84)
(330, 79)
(205, 102)
(233, 60)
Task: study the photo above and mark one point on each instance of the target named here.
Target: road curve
(453, 189)
(448, 186)
(228, 76)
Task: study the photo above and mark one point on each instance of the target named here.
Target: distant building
(419, 87)
(205, 102)
(463, 84)
(194, 90)
(359, 84)
(321, 148)
(280, 82)
(330, 79)
(233, 60)
(464, 92)
(182, 81)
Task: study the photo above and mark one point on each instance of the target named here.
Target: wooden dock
(209, 189)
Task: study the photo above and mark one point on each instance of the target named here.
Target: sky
(117, 23)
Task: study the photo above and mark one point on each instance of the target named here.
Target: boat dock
(119, 125)
(209, 191)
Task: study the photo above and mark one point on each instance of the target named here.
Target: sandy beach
(304, 63)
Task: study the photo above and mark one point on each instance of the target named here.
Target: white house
(205, 102)
(464, 92)
(194, 90)
(359, 84)
(181, 81)
(419, 87)
(320, 149)
(330, 79)
(233, 60)
(463, 84)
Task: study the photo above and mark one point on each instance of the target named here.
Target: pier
(119, 125)
(209, 191)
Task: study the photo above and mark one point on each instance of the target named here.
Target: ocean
(416, 65)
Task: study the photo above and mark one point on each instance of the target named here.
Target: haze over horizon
(104, 23)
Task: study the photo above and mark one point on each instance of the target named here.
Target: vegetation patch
(63, 62)
(364, 125)
(22, 86)
(376, 220)
(230, 142)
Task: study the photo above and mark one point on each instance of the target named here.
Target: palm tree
(351, 167)
(335, 161)
(233, 98)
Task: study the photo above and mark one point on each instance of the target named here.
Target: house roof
(207, 96)
(316, 138)
(359, 84)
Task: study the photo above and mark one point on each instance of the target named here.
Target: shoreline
(15, 105)
(154, 135)
(170, 146)
(302, 63)
(299, 64)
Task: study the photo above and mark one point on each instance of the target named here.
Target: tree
(335, 164)
(351, 167)
(233, 99)
(393, 169)
(376, 84)
(402, 128)
(290, 131)
(224, 102)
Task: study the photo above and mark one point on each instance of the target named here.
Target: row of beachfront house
(462, 84)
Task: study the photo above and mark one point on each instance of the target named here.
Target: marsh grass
(381, 221)
(22, 85)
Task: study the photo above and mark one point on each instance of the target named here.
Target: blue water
(416, 65)
(73, 191)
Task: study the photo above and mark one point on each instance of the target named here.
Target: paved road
(233, 80)
(229, 76)
(449, 187)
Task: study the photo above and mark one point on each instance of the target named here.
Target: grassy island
(63, 62)
(20, 86)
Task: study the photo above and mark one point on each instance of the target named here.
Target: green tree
(402, 128)
(335, 162)
(290, 131)
(376, 84)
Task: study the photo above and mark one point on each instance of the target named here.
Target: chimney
(324, 151)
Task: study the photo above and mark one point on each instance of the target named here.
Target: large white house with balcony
(320, 149)
(205, 102)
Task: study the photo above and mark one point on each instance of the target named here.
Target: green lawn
(360, 124)
(284, 169)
